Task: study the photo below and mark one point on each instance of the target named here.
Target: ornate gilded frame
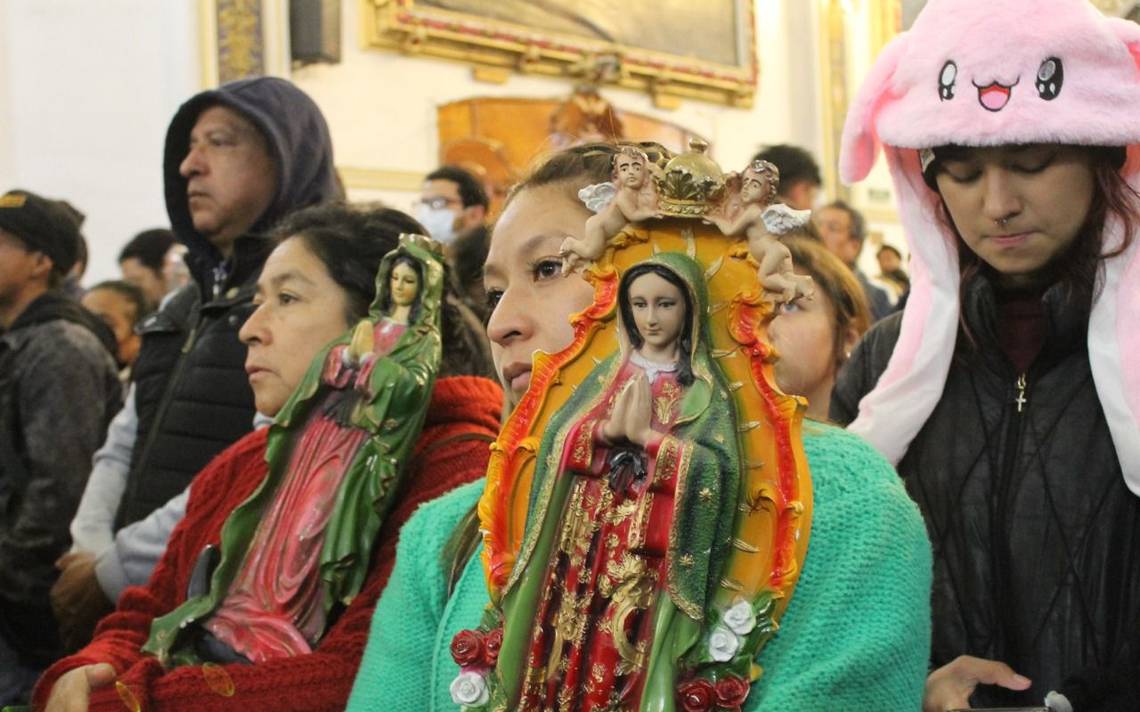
(497, 48)
(239, 39)
(886, 17)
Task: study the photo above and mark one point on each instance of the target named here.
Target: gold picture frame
(240, 39)
(476, 33)
(889, 17)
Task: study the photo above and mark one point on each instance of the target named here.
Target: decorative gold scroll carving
(240, 42)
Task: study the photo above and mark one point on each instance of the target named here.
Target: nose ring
(1002, 221)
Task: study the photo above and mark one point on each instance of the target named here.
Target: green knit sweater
(856, 634)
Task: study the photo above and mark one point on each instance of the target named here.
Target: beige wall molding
(834, 81)
(358, 178)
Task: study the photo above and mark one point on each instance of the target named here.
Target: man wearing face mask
(453, 207)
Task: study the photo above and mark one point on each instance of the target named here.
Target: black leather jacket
(1036, 537)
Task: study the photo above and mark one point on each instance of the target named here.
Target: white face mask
(439, 222)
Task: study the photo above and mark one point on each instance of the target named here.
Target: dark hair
(838, 282)
(684, 363)
(80, 255)
(149, 247)
(471, 192)
(128, 291)
(351, 243)
(1080, 269)
(889, 248)
(468, 255)
(583, 165)
(794, 163)
(858, 224)
(386, 302)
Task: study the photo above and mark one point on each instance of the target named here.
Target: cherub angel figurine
(630, 197)
(754, 213)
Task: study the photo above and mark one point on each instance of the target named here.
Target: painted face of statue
(754, 188)
(405, 285)
(630, 171)
(659, 312)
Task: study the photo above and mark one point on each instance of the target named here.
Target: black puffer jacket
(1036, 537)
(191, 391)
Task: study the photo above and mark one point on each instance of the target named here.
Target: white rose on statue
(723, 644)
(469, 689)
(741, 619)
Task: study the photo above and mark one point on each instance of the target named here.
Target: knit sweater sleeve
(120, 636)
(395, 671)
(856, 634)
(320, 680)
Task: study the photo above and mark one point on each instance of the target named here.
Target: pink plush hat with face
(984, 73)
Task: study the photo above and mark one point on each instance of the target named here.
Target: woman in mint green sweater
(855, 636)
(856, 631)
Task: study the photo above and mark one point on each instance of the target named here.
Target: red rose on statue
(731, 691)
(697, 695)
(491, 644)
(467, 647)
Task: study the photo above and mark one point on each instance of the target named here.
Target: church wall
(87, 91)
(381, 105)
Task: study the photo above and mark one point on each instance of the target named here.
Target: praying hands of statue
(361, 342)
(631, 418)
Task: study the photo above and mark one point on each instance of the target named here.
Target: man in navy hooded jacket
(237, 160)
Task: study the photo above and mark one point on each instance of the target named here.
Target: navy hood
(298, 140)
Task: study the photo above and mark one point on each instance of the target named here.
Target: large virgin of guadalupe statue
(300, 546)
(647, 505)
(633, 512)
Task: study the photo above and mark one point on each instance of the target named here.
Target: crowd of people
(972, 415)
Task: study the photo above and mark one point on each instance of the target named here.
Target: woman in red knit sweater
(318, 281)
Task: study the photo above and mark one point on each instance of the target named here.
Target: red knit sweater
(452, 450)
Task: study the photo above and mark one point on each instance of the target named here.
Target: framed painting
(239, 39)
(903, 12)
(670, 48)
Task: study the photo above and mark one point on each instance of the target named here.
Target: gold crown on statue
(691, 183)
(423, 242)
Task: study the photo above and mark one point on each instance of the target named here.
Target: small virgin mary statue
(300, 547)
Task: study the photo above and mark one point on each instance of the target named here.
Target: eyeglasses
(436, 203)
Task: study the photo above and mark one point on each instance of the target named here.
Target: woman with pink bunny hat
(1008, 392)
